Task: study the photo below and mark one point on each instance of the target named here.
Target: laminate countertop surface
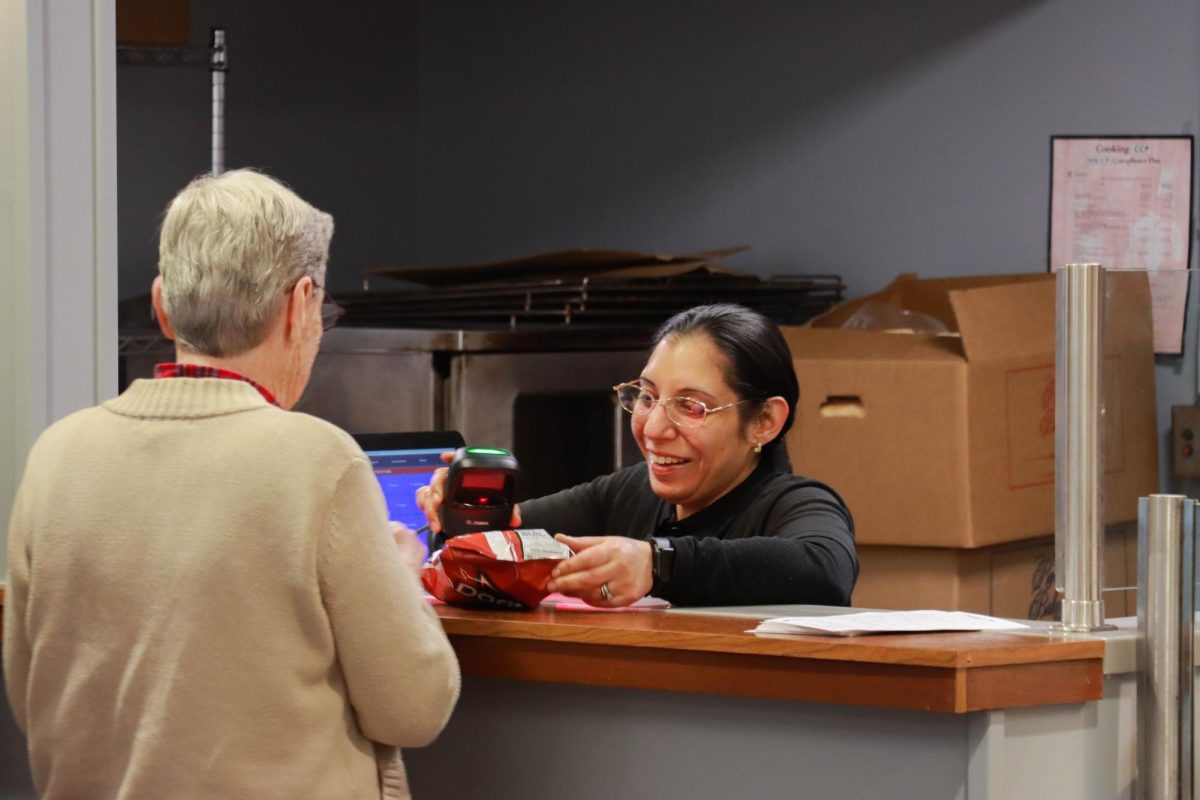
(711, 651)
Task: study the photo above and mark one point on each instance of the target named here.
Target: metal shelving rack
(214, 56)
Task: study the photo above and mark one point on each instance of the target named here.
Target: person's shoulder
(800, 487)
(304, 447)
(314, 434)
(315, 427)
(788, 496)
(794, 479)
(72, 421)
(58, 441)
(64, 431)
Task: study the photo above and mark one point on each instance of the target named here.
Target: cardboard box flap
(1006, 320)
(1002, 320)
(929, 296)
(833, 344)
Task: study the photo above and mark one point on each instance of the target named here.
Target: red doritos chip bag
(495, 569)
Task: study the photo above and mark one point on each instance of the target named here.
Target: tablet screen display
(404, 462)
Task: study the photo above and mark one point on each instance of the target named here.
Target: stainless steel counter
(526, 339)
(544, 393)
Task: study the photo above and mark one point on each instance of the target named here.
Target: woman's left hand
(620, 563)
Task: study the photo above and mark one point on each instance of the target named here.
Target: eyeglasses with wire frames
(683, 412)
(331, 312)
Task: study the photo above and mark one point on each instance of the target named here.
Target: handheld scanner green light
(480, 488)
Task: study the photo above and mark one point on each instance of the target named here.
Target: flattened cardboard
(948, 441)
(584, 261)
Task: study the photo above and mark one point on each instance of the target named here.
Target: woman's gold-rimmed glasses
(684, 412)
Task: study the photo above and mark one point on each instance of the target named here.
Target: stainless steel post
(217, 66)
(1166, 603)
(620, 420)
(1079, 446)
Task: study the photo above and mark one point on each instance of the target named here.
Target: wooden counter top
(678, 651)
(661, 650)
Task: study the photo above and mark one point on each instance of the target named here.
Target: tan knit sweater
(205, 602)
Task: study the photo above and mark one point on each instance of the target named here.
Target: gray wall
(851, 136)
(322, 95)
(831, 136)
(847, 136)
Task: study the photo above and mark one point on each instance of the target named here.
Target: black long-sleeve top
(774, 538)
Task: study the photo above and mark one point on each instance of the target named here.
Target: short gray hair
(230, 248)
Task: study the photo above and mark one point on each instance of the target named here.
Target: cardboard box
(1014, 580)
(948, 440)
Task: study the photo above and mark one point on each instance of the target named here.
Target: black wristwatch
(662, 558)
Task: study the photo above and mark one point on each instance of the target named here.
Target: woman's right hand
(429, 498)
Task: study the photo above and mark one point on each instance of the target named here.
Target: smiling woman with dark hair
(713, 515)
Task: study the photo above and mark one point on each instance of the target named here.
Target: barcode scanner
(480, 488)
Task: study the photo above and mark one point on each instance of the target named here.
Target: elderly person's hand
(412, 552)
(429, 498)
(605, 570)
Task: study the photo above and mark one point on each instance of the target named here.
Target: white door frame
(58, 221)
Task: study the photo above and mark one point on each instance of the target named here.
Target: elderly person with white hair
(206, 599)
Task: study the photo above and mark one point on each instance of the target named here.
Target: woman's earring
(758, 447)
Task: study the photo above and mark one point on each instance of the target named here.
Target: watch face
(661, 558)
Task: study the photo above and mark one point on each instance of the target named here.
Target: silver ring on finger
(606, 592)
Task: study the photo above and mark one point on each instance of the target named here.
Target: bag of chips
(494, 569)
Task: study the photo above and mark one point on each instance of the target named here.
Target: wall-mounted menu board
(1126, 202)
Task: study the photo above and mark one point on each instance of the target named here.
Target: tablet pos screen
(404, 462)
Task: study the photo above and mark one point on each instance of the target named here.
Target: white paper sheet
(866, 622)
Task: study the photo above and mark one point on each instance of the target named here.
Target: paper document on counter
(867, 622)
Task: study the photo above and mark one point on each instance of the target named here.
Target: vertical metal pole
(1079, 446)
(619, 423)
(1166, 603)
(217, 66)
